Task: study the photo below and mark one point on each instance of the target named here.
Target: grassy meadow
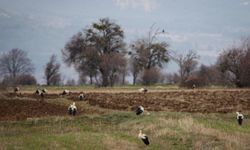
(118, 130)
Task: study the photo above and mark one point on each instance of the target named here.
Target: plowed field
(22, 109)
(204, 101)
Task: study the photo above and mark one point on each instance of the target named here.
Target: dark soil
(203, 101)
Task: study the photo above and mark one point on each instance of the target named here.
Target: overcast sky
(43, 27)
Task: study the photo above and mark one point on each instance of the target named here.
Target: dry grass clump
(118, 144)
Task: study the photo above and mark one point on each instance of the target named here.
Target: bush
(25, 79)
(193, 82)
(151, 76)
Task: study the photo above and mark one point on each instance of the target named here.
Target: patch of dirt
(203, 101)
(23, 109)
(184, 101)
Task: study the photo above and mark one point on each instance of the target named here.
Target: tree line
(102, 57)
(16, 68)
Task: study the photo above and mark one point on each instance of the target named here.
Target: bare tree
(172, 78)
(193, 81)
(211, 75)
(15, 63)
(135, 68)
(26, 79)
(124, 71)
(89, 67)
(245, 63)
(52, 72)
(187, 64)
(113, 64)
(70, 82)
(103, 39)
(204, 73)
(151, 76)
(149, 51)
(245, 69)
(230, 61)
(235, 62)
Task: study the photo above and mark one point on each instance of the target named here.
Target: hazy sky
(42, 27)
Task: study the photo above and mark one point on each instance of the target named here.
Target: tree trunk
(105, 81)
(91, 79)
(112, 79)
(134, 79)
(48, 81)
(96, 80)
(123, 79)
(238, 82)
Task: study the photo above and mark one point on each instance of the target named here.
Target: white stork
(143, 90)
(44, 91)
(17, 89)
(38, 92)
(65, 92)
(81, 97)
(143, 137)
(240, 118)
(139, 110)
(72, 109)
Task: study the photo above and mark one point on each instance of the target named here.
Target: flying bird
(143, 137)
(240, 118)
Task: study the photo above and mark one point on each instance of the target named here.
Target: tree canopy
(90, 49)
(15, 63)
(51, 72)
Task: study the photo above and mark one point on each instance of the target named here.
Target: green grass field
(118, 130)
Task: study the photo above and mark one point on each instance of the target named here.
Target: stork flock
(72, 109)
(41, 92)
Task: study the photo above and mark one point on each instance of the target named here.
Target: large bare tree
(90, 66)
(245, 69)
(235, 62)
(15, 63)
(113, 64)
(89, 50)
(135, 68)
(187, 64)
(52, 72)
(148, 52)
(211, 75)
(151, 76)
(229, 62)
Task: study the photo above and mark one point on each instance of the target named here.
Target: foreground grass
(118, 130)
